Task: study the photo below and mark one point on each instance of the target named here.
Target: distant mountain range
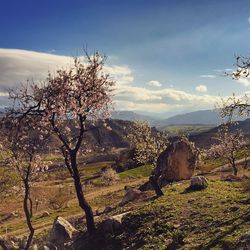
(202, 117)
(197, 117)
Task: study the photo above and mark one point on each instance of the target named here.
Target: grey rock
(131, 195)
(176, 163)
(198, 183)
(62, 231)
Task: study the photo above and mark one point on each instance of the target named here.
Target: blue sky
(167, 56)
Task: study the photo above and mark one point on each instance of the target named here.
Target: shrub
(109, 176)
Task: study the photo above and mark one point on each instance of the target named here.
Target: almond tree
(233, 105)
(64, 103)
(228, 143)
(21, 147)
(148, 145)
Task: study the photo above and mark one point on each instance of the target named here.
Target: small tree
(109, 176)
(148, 145)
(233, 105)
(63, 104)
(228, 143)
(21, 147)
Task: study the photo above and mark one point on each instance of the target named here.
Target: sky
(166, 56)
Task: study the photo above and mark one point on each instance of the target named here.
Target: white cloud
(17, 66)
(244, 81)
(207, 76)
(152, 107)
(121, 74)
(249, 19)
(201, 88)
(154, 83)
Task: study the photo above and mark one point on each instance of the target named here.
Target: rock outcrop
(131, 195)
(62, 231)
(176, 163)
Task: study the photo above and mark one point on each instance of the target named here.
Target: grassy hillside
(215, 218)
(187, 129)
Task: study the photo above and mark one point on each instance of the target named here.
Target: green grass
(142, 171)
(214, 218)
(173, 130)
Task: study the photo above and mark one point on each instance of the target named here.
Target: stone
(62, 231)
(198, 183)
(176, 163)
(45, 214)
(131, 195)
(34, 247)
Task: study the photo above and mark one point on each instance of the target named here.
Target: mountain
(197, 117)
(132, 116)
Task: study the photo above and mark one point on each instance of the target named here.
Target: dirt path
(47, 222)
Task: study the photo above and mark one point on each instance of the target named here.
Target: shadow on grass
(244, 218)
(192, 189)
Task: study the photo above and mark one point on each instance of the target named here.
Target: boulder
(131, 195)
(198, 183)
(62, 231)
(45, 214)
(176, 163)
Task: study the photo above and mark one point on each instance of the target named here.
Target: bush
(109, 176)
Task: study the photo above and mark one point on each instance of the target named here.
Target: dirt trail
(46, 224)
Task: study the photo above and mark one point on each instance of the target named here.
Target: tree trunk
(234, 168)
(155, 185)
(81, 199)
(28, 212)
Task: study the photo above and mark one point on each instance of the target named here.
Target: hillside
(205, 139)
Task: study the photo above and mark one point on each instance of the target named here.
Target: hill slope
(205, 139)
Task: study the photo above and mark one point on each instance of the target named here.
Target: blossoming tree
(64, 103)
(228, 143)
(20, 149)
(234, 105)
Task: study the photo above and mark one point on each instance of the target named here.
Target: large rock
(198, 183)
(176, 163)
(131, 195)
(112, 225)
(62, 231)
